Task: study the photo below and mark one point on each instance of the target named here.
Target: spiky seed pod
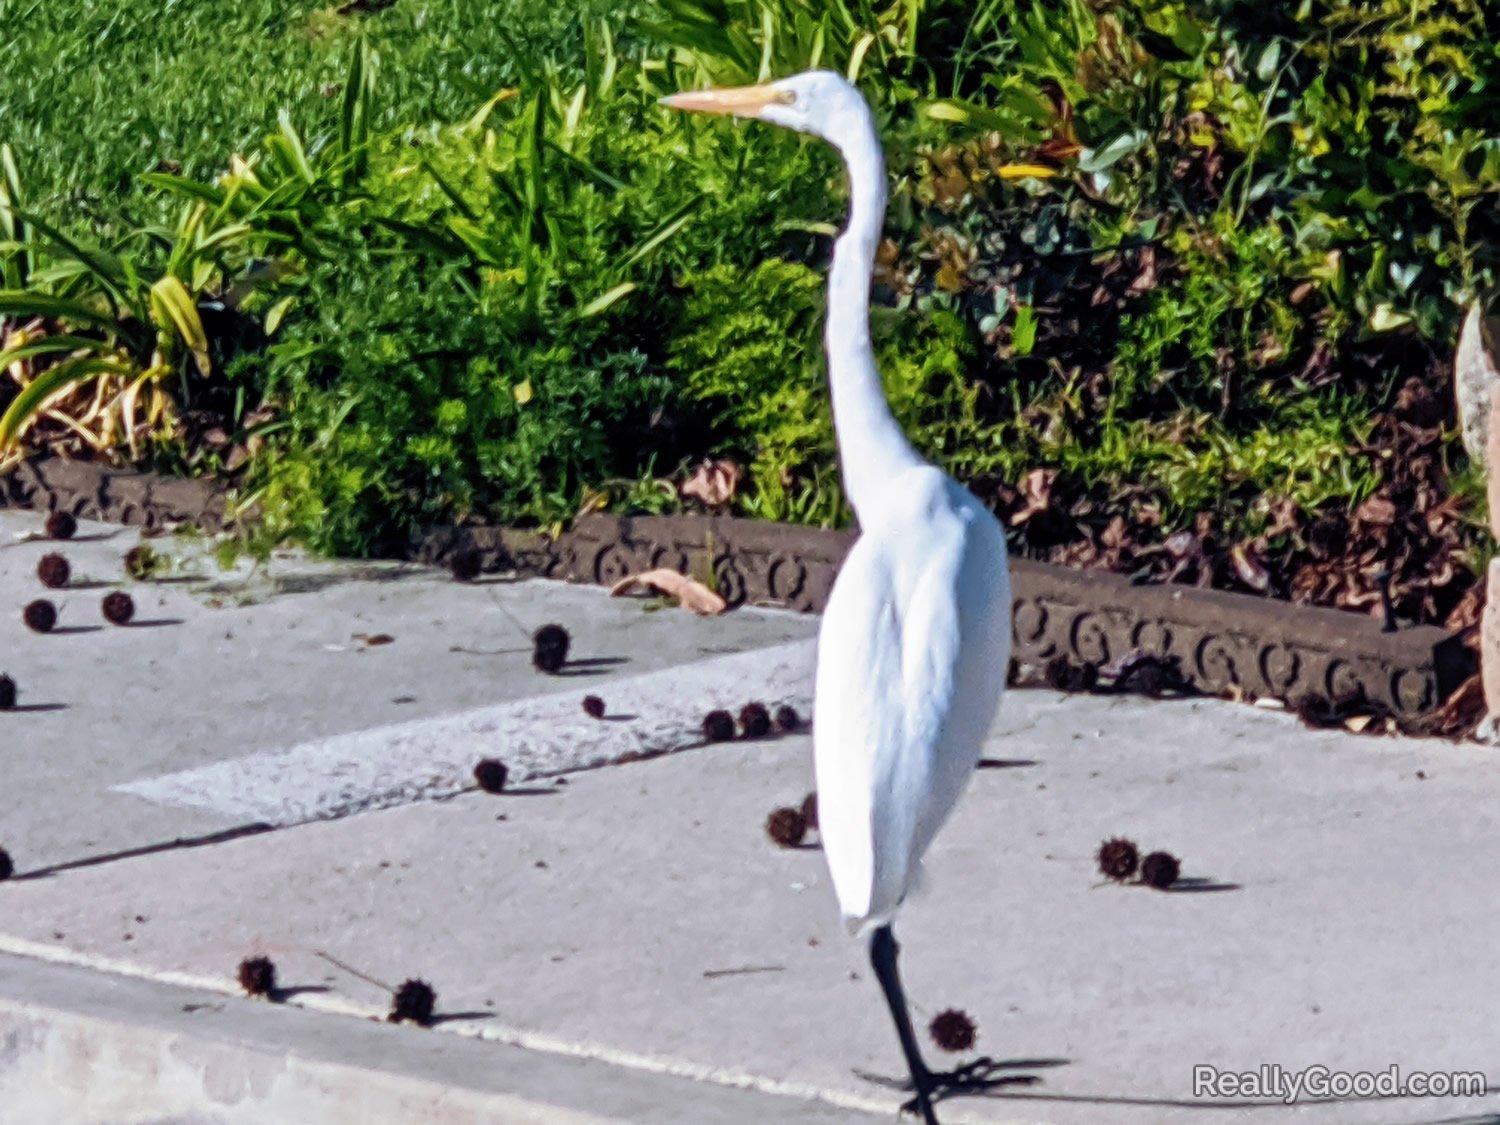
(718, 726)
(551, 648)
(953, 1030)
(415, 1001)
(141, 562)
(786, 826)
(810, 810)
(7, 693)
(1160, 870)
(1118, 859)
(54, 571)
(755, 720)
(258, 976)
(61, 525)
(491, 774)
(787, 718)
(118, 607)
(7, 865)
(593, 706)
(40, 616)
(466, 563)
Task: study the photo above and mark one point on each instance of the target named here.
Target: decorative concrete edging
(98, 492)
(1222, 642)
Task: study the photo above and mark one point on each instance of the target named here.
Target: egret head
(819, 102)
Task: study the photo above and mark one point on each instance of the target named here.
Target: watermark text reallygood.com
(1271, 1080)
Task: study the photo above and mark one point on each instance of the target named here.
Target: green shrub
(750, 349)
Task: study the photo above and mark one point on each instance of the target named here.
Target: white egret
(915, 641)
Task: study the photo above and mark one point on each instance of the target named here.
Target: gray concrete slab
(1344, 917)
(221, 665)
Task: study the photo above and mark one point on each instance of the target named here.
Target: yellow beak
(741, 101)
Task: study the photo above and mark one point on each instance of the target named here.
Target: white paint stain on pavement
(657, 713)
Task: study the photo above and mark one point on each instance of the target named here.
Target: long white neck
(872, 447)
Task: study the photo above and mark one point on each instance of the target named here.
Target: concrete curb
(81, 1046)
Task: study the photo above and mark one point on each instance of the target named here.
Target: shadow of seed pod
(718, 726)
(257, 976)
(593, 706)
(1118, 859)
(53, 571)
(550, 651)
(118, 608)
(7, 693)
(490, 773)
(953, 1030)
(61, 525)
(755, 720)
(787, 827)
(414, 1000)
(40, 616)
(1160, 870)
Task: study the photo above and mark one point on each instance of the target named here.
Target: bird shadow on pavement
(1297, 1107)
(983, 1078)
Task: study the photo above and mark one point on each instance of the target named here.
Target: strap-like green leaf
(26, 405)
(173, 304)
(605, 299)
(23, 302)
(47, 345)
(104, 266)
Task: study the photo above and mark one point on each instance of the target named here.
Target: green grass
(94, 92)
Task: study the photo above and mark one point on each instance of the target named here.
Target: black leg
(883, 951)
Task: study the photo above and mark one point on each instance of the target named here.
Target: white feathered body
(912, 659)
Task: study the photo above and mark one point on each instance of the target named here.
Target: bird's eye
(786, 97)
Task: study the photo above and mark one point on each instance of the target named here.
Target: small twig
(511, 617)
(332, 960)
(711, 974)
(1387, 606)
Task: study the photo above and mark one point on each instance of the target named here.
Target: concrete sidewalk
(629, 946)
(219, 666)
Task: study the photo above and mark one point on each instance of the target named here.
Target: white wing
(912, 656)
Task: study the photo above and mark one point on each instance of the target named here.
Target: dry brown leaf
(1376, 510)
(691, 593)
(1036, 492)
(713, 483)
(1249, 569)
